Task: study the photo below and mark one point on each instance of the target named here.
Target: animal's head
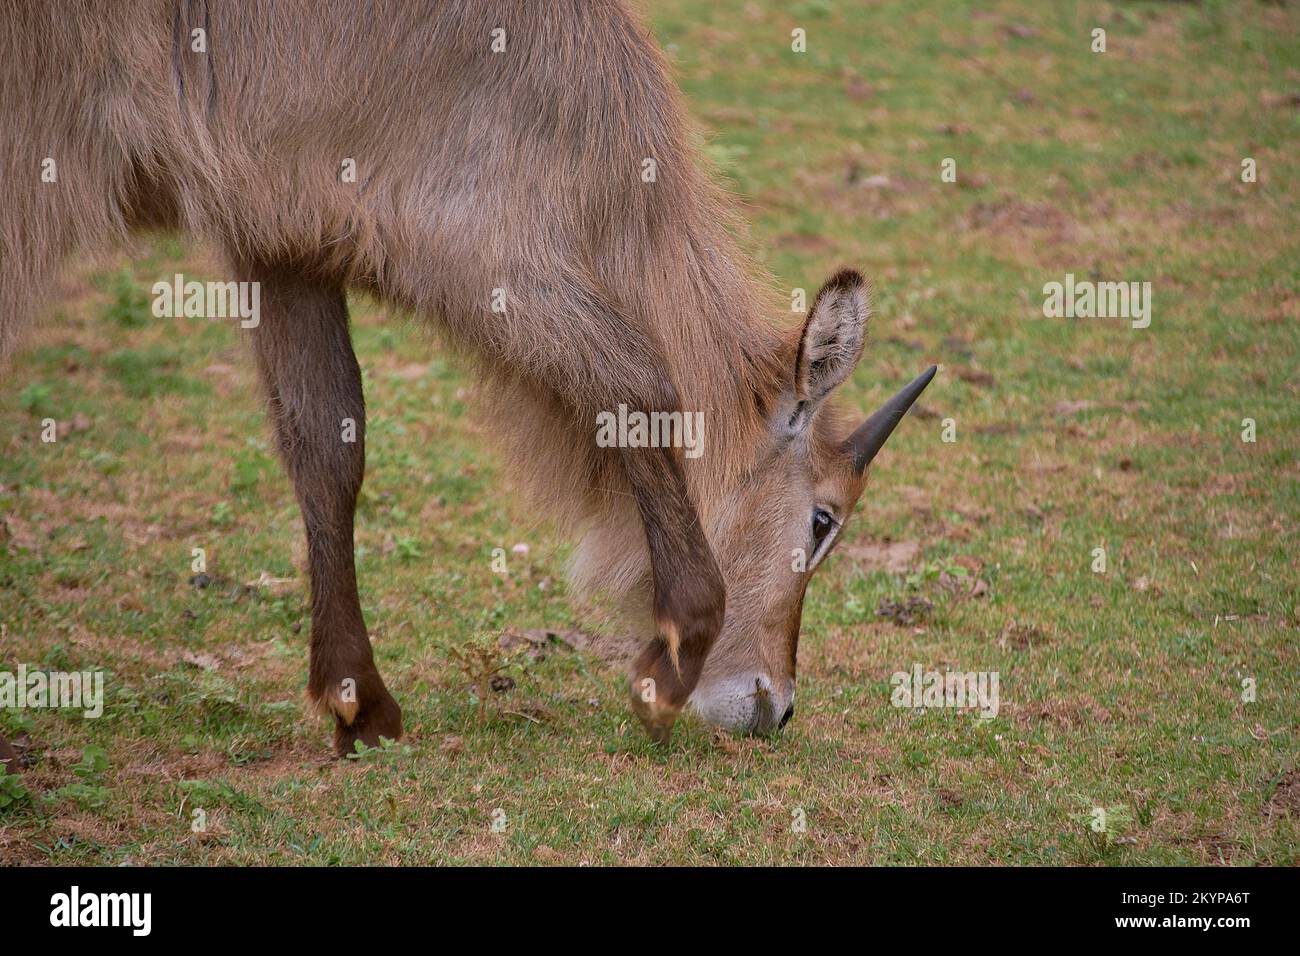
(779, 525)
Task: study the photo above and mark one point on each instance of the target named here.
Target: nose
(768, 701)
(745, 704)
(763, 720)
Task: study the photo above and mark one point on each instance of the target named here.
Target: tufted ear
(832, 338)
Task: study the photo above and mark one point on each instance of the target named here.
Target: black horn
(871, 434)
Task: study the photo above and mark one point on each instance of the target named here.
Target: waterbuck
(521, 175)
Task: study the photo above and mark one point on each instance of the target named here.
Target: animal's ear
(832, 338)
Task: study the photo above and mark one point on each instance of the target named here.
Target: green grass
(1119, 690)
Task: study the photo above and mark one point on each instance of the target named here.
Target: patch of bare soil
(1213, 847)
(974, 376)
(287, 761)
(541, 641)
(804, 243)
(1008, 216)
(948, 799)
(1022, 636)
(895, 557)
(1069, 714)
(17, 850)
(906, 613)
(1286, 796)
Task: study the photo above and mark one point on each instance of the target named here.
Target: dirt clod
(912, 610)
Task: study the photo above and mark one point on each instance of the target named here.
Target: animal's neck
(729, 365)
(728, 362)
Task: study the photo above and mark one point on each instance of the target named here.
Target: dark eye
(822, 524)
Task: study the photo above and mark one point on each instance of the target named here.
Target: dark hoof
(378, 717)
(657, 692)
(657, 719)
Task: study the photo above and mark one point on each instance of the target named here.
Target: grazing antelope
(522, 177)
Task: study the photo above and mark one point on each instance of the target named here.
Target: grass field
(1121, 690)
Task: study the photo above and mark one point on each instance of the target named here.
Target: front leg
(594, 355)
(689, 593)
(315, 402)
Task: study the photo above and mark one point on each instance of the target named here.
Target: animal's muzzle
(749, 704)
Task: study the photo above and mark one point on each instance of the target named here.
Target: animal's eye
(822, 523)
